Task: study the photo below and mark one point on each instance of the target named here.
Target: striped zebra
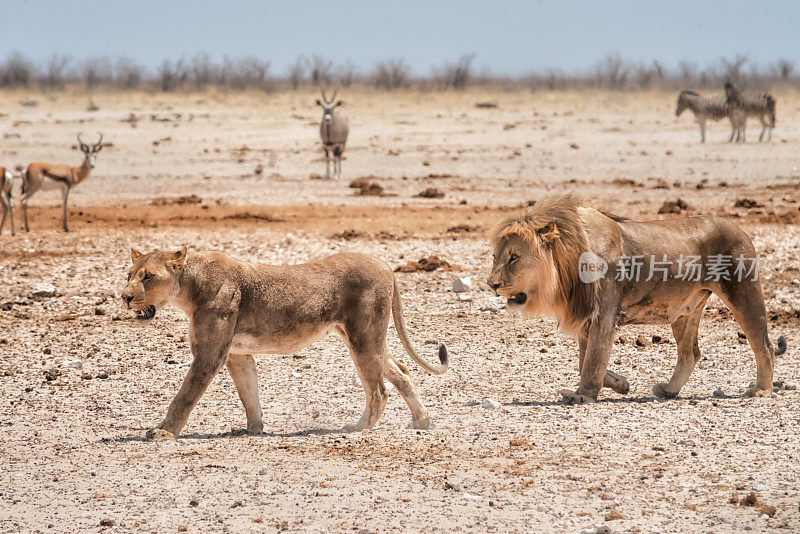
(715, 108)
(760, 105)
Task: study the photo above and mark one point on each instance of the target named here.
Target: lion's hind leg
(242, 368)
(746, 301)
(397, 374)
(685, 330)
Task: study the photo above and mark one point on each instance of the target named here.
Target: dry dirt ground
(72, 448)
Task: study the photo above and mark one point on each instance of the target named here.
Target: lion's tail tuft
(782, 346)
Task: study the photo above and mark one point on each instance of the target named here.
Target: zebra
(760, 105)
(715, 108)
(333, 132)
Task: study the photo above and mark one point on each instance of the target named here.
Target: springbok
(333, 132)
(58, 176)
(760, 105)
(6, 181)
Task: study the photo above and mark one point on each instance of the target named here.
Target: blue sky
(508, 37)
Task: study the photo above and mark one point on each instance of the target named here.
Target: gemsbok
(708, 107)
(6, 181)
(333, 132)
(760, 105)
(59, 176)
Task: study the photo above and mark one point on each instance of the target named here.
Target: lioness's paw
(421, 422)
(575, 398)
(755, 392)
(618, 383)
(660, 391)
(255, 428)
(159, 434)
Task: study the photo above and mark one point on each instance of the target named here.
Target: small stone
(43, 290)
(642, 341)
(86, 376)
(102, 375)
(490, 404)
(99, 311)
(183, 528)
(489, 308)
(789, 386)
(193, 502)
(72, 364)
(107, 522)
(47, 350)
(719, 394)
(295, 374)
(462, 285)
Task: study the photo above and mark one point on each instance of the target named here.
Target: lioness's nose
(494, 286)
(127, 299)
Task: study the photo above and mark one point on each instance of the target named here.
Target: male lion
(236, 309)
(595, 271)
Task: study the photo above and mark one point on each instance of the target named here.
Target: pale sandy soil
(72, 450)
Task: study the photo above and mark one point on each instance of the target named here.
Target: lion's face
(152, 281)
(524, 273)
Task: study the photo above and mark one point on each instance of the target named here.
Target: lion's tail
(782, 346)
(400, 326)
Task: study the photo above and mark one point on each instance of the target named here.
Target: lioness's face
(152, 281)
(523, 273)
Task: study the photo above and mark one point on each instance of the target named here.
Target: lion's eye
(512, 258)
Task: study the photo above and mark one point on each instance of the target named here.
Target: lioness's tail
(400, 326)
(782, 346)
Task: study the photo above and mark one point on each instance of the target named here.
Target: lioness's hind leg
(746, 301)
(402, 382)
(242, 368)
(375, 390)
(685, 330)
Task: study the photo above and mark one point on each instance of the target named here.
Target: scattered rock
(462, 285)
(750, 500)
(99, 311)
(642, 342)
(107, 522)
(490, 308)
(430, 192)
(72, 364)
(747, 203)
(371, 189)
(490, 404)
(102, 375)
(461, 229)
(574, 146)
(186, 200)
(427, 264)
(451, 486)
(43, 290)
(673, 206)
(597, 529)
(613, 515)
(486, 105)
(718, 393)
(768, 510)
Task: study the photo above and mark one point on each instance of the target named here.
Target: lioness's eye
(147, 276)
(512, 258)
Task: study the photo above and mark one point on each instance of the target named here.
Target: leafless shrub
(95, 71)
(455, 75)
(298, 72)
(391, 74)
(54, 77)
(321, 70)
(16, 71)
(172, 76)
(612, 72)
(127, 74)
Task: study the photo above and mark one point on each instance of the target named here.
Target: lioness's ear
(179, 258)
(135, 254)
(548, 232)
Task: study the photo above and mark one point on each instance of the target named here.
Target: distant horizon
(508, 39)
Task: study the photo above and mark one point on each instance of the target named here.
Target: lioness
(595, 271)
(236, 309)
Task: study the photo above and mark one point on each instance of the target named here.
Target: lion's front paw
(159, 434)
(568, 397)
(755, 392)
(660, 390)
